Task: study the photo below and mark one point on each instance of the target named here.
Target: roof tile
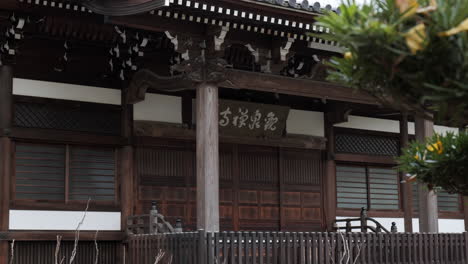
(305, 5)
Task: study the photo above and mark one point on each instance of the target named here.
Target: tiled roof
(305, 5)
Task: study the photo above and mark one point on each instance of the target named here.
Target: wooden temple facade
(217, 110)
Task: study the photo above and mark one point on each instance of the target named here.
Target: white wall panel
(445, 225)
(305, 123)
(160, 108)
(375, 124)
(66, 91)
(63, 220)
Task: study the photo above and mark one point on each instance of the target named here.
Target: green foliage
(379, 60)
(441, 162)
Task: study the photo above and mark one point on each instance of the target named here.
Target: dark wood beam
(6, 99)
(6, 120)
(384, 160)
(463, 129)
(329, 195)
(407, 190)
(126, 183)
(301, 87)
(60, 136)
(187, 109)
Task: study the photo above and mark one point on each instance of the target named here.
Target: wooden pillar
(406, 188)
(127, 191)
(465, 211)
(6, 99)
(6, 117)
(330, 175)
(207, 157)
(428, 211)
(465, 198)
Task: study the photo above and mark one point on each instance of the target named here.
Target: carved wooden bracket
(339, 114)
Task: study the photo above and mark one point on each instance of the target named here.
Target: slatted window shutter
(374, 188)
(92, 174)
(44, 172)
(383, 188)
(40, 172)
(446, 202)
(351, 187)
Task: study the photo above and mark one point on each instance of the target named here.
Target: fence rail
(296, 248)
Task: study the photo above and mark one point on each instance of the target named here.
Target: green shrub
(441, 162)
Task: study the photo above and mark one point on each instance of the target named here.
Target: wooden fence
(301, 248)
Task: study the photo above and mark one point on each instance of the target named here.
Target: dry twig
(96, 260)
(57, 249)
(77, 233)
(12, 251)
(159, 257)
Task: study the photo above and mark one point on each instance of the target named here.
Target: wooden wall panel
(301, 179)
(250, 195)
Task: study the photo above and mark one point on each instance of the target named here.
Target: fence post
(466, 245)
(394, 228)
(363, 220)
(153, 219)
(202, 247)
(178, 226)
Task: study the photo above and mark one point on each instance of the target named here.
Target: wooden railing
(363, 226)
(151, 223)
(296, 248)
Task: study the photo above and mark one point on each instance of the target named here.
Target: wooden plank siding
(297, 248)
(258, 189)
(43, 252)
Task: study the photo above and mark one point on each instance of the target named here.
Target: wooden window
(446, 202)
(40, 172)
(63, 172)
(375, 188)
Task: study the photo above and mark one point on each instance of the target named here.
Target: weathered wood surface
(207, 157)
(297, 248)
(43, 252)
(406, 187)
(6, 107)
(428, 209)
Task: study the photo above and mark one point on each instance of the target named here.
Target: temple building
(217, 110)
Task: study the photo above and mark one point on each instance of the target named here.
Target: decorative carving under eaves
(10, 37)
(201, 70)
(304, 66)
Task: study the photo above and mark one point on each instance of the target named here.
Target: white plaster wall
(385, 125)
(375, 124)
(63, 220)
(160, 108)
(451, 225)
(305, 123)
(445, 225)
(66, 91)
(444, 129)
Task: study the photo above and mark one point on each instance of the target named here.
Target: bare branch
(12, 251)
(96, 260)
(77, 233)
(159, 257)
(57, 249)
